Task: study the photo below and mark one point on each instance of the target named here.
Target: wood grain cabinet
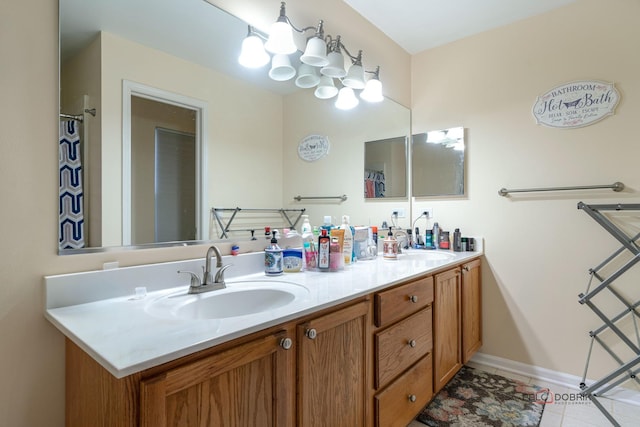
(332, 370)
(457, 321)
(471, 301)
(247, 385)
(402, 352)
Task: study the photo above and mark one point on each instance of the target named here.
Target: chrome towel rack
(616, 186)
(341, 198)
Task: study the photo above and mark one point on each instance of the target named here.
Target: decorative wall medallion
(576, 104)
(313, 147)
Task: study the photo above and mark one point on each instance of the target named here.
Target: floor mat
(477, 398)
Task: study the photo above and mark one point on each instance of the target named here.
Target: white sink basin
(427, 255)
(238, 299)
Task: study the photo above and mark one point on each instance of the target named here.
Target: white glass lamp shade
(326, 88)
(346, 99)
(281, 39)
(355, 77)
(308, 76)
(335, 68)
(253, 54)
(281, 69)
(372, 91)
(316, 53)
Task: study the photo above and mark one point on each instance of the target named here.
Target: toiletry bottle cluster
(328, 247)
(324, 248)
(437, 238)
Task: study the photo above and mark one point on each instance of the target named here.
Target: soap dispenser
(390, 247)
(273, 258)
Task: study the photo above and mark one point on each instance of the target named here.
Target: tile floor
(568, 414)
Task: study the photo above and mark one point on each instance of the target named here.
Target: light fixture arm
(284, 18)
(376, 73)
(252, 31)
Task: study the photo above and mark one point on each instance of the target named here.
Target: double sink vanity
(366, 346)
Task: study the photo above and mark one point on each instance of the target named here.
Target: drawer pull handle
(286, 343)
(311, 334)
(412, 343)
(412, 398)
(413, 298)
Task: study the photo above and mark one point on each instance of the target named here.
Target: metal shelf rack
(626, 351)
(225, 226)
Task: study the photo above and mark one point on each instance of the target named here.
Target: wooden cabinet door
(471, 309)
(248, 385)
(447, 354)
(332, 369)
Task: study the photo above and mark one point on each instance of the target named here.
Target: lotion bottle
(347, 242)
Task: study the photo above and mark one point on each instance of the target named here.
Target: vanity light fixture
(320, 63)
(253, 54)
(373, 88)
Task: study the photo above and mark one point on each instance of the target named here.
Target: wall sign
(576, 104)
(313, 147)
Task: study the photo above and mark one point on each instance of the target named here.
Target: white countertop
(99, 313)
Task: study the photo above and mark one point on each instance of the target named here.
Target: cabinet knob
(412, 398)
(311, 334)
(413, 298)
(465, 268)
(412, 343)
(286, 343)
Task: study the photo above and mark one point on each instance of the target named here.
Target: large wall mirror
(437, 163)
(185, 50)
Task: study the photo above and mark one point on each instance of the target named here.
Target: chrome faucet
(208, 282)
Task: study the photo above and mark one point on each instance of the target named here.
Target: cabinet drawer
(396, 303)
(399, 403)
(401, 345)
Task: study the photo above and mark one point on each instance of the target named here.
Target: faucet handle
(195, 279)
(220, 273)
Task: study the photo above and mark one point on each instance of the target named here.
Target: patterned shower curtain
(71, 231)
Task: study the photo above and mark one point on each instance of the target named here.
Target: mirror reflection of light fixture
(308, 76)
(281, 68)
(326, 88)
(346, 99)
(322, 53)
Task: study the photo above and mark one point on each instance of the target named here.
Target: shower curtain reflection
(71, 212)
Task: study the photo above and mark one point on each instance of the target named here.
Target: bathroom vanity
(367, 346)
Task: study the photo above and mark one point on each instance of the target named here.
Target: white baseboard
(569, 381)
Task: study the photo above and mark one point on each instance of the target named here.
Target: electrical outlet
(429, 212)
(399, 212)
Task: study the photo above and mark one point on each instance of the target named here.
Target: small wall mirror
(385, 168)
(437, 163)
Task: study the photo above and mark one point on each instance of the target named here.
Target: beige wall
(539, 247)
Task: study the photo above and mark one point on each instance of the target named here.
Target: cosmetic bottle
(457, 240)
(347, 242)
(436, 235)
(324, 243)
(428, 240)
